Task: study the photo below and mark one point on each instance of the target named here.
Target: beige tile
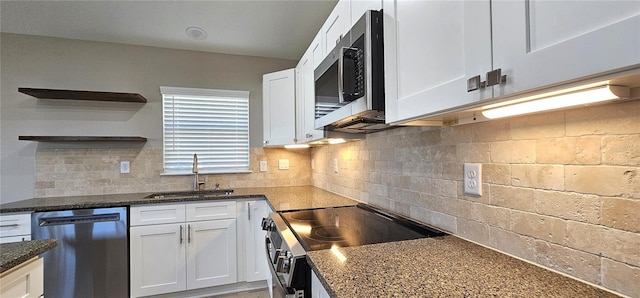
(570, 261)
(621, 277)
(603, 180)
(538, 176)
(473, 230)
(615, 244)
(513, 197)
(573, 206)
(512, 243)
(458, 208)
(491, 131)
(474, 152)
(584, 150)
(622, 214)
(614, 118)
(513, 152)
(491, 215)
(496, 174)
(621, 150)
(547, 125)
(543, 227)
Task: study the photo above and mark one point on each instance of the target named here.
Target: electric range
(290, 234)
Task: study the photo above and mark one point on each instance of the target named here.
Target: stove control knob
(267, 224)
(287, 262)
(280, 264)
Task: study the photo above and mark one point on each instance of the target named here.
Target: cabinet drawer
(157, 214)
(211, 210)
(25, 280)
(15, 224)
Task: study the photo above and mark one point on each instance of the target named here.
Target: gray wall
(42, 62)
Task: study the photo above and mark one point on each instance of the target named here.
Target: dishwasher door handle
(78, 219)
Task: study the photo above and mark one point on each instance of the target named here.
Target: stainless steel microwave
(349, 82)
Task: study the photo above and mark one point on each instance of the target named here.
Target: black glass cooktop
(319, 229)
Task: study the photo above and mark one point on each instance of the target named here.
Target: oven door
(277, 287)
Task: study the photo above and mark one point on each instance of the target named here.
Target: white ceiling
(265, 28)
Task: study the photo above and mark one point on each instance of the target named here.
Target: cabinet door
(538, 43)
(317, 50)
(317, 289)
(431, 49)
(336, 25)
(25, 281)
(211, 253)
(256, 257)
(157, 259)
(359, 7)
(278, 95)
(305, 101)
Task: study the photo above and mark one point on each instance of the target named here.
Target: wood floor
(262, 293)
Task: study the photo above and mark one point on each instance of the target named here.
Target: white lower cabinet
(317, 289)
(15, 227)
(185, 252)
(256, 256)
(25, 280)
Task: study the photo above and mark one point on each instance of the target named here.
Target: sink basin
(190, 194)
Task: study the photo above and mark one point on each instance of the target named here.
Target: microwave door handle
(341, 75)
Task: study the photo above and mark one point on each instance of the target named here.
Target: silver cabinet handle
(181, 234)
(249, 210)
(188, 233)
(9, 226)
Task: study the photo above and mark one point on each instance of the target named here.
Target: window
(211, 123)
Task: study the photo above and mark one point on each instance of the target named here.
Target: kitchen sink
(190, 194)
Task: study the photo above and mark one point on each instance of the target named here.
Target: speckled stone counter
(280, 198)
(14, 254)
(439, 267)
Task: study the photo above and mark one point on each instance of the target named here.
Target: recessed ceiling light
(196, 33)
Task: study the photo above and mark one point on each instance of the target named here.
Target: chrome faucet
(196, 181)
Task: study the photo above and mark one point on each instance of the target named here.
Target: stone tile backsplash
(560, 189)
(68, 172)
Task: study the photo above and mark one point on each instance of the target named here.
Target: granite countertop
(14, 254)
(439, 267)
(280, 198)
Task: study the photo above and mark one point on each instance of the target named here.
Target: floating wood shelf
(81, 139)
(83, 95)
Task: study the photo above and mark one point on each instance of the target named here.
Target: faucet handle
(217, 186)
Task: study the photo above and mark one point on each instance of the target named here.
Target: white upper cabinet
(305, 100)
(317, 51)
(359, 7)
(538, 43)
(278, 99)
(431, 49)
(336, 25)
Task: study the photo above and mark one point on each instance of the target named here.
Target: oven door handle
(285, 291)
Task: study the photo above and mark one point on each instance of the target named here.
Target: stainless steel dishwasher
(91, 259)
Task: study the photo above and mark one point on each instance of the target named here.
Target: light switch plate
(125, 167)
(283, 164)
(473, 179)
(263, 166)
(335, 165)
(313, 164)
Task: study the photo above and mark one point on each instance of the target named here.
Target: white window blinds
(211, 123)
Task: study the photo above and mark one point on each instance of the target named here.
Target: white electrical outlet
(263, 166)
(283, 164)
(473, 179)
(313, 164)
(335, 165)
(125, 167)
